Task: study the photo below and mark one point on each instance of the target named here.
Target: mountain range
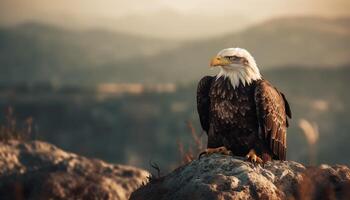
(292, 42)
(40, 52)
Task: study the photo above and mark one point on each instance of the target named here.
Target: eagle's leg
(222, 150)
(215, 144)
(252, 157)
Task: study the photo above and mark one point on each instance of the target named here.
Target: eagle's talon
(253, 158)
(222, 150)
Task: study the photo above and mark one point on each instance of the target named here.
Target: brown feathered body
(247, 117)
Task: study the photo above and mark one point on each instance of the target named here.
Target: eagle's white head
(236, 64)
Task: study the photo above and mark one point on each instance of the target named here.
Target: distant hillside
(165, 23)
(307, 42)
(34, 52)
(41, 52)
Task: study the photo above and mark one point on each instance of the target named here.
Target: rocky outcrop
(227, 177)
(38, 170)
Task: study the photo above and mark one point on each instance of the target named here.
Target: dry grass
(195, 147)
(311, 133)
(153, 178)
(186, 154)
(10, 129)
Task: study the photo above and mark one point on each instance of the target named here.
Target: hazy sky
(20, 10)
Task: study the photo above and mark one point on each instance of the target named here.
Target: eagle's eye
(234, 58)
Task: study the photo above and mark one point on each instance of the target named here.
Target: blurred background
(116, 79)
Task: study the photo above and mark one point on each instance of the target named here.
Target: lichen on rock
(226, 177)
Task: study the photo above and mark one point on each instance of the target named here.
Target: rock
(226, 177)
(38, 170)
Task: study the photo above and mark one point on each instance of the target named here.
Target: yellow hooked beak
(219, 61)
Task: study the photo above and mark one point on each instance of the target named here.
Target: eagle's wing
(272, 111)
(203, 101)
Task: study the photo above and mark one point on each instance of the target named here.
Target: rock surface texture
(227, 177)
(38, 170)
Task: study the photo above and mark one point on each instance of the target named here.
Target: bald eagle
(241, 112)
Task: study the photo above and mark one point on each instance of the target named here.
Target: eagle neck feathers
(245, 76)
